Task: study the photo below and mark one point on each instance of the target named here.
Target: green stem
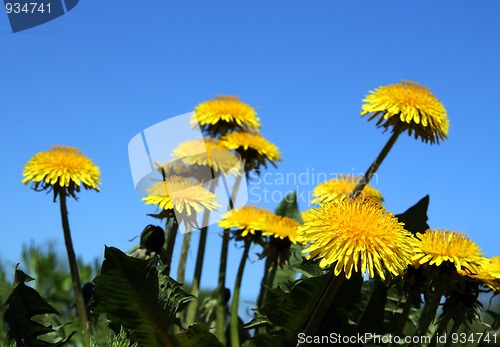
(195, 289)
(323, 304)
(181, 270)
(172, 235)
(235, 336)
(441, 327)
(268, 280)
(376, 163)
(429, 313)
(75, 277)
(454, 329)
(401, 322)
(221, 311)
(267, 265)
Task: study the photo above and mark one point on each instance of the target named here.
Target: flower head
(181, 195)
(224, 114)
(208, 153)
(246, 220)
(358, 235)
(489, 273)
(412, 107)
(63, 169)
(280, 227)
(436, 247)
(340, 188)
(253, 148)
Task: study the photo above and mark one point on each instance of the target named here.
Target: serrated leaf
(288, 207)
(415, 218)
(23, 304)
(197, 335)
(134, 294)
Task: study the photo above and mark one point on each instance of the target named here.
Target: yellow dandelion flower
(435, 247)
(208, 152)
(247, 220)
(61, 168)
(224, 114)
(253, 148)
(412, 107)
(280, 227)
(340, 188)
(489, 273)
(182, 195)
(358, 235)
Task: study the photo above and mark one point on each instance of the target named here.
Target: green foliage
(138, 295)
(120, 340)
(415, 218)
(288, 311)
(288, 207)
(24, 303)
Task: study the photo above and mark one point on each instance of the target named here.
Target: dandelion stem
(453, 331)
(221, 286)
(221, 311)
(195, 290)
(271, 267)
(429, 312)
(75, 277)
(401, 322)
(181, 270)
(376, 163)
(172, 235)
(332, 286)
(235, 336)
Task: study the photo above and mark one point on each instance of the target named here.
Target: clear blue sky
(98, 75)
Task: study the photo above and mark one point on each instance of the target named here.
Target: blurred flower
(253, 148)
(436, 247)
(412, 107)
(340, 188)
(356, 234)
(489, 273)
(247, 220)
(181, 194)
(224, 114)
(208, 152)
(280, 227)
(63, 169)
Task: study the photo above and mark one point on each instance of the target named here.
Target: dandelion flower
(356, 234)
(224, 114)
(208, 152)
(247, 220)
(489, 273)
(63, 169)
(280, 227)
(340, 188)
(181, 195)
(436, 247)
(412, 107)
(253, 148)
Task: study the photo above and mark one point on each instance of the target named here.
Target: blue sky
(98, 75)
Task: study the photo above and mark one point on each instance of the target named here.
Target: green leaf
(24, 303)
(415, 218)
(290, 310)
(371, 319)
(134, 294)
(288, 207)
(197, 335)
(264, 340)
(119, 340)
